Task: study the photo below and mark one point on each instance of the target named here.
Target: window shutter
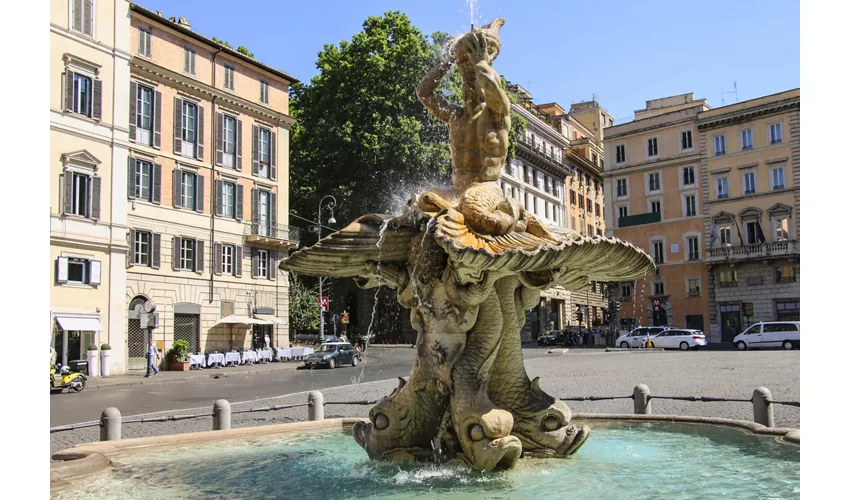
(77, 15)
(177, 189)
(69, 192)
(95, 198)
(131, 178)
(217, 253)
(272, 265)
(186, 65)
(97, 96)
(94, 272)
(218, 198)
(199, 150)
(131, 248)
(157, 119)
(175, 253)
(148, 42)
(69, 90)
(156, 195)
(255, 157)
(255, 207)
(134, 93)
(273, 214)
(199, 193)
(199, 256)
(237, 265)
(62, 269)
(219, 139)
(272, 153)
(255, 262)
(239, 145)
(238, 209)
(156, 243)
(178, 126)
(87, 18)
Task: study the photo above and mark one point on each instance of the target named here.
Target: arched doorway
(137, 337)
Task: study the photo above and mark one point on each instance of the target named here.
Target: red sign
(323, 302)
(656, 303)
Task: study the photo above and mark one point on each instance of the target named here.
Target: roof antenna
(722, 93)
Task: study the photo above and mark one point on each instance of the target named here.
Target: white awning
(76, 323)
(271, 319)
(241, 320)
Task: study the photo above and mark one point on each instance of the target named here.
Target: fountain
(468, 262)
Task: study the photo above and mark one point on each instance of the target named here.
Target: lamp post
(330, 206)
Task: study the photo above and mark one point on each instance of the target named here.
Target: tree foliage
(303, 306)
(241, 49)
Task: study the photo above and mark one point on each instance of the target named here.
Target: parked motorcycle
(61, 377)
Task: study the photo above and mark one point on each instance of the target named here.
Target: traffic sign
(656, 303)
(323, 302)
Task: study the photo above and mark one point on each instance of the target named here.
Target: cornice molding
(749, 114)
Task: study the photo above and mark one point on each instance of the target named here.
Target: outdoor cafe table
(308, 350)
(232, 358)
(197, 360)
(265, 355)
(215, 358)
(284, 354)
(249, 357)
(297, 352)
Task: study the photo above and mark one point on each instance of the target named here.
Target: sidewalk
(165, 377)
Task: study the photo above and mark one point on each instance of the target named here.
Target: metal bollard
(110, 424)
(316, 410)
(221, 415)
(763, 407)
(642, 400)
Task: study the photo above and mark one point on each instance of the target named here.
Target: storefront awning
(75, 323)
(271, 319)
(241, 320)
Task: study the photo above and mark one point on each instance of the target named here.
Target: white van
(785, 334)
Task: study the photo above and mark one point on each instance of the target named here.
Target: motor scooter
(61, 377)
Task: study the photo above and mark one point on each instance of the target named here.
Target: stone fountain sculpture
(468, 263)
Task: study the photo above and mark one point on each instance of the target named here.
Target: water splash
(473, 10)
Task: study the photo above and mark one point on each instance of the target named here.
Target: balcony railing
(754, 251)
(538, 150)
(274, 234)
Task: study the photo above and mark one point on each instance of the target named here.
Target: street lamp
(330, 206)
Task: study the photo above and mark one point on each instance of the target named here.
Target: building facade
(89, 84)
(206, 186)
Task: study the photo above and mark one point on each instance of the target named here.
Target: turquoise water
(619, 461)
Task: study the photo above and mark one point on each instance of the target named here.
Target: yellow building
(206, 190)
(89, 84)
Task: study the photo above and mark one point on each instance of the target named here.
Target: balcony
(535, 151)
(272, 234)
(755, 251)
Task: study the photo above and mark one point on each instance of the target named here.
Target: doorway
(659, 317)
(730, 321)
(258, 340)
(187, 327)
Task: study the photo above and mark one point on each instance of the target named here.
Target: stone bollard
(110, 425)
(221, 415)
(763, 407)
(316, 410)
(642, 400)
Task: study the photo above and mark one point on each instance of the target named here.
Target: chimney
(184, 22)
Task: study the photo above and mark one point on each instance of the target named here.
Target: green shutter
(156, 195)
(199, 193)
(131, 178)
(95, 198)
(156, 243)
(134, 92)
(199, 145)
(178, 126)
(97, 97)
(272, 154)
(157, 120)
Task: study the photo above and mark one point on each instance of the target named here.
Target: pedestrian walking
(153, 359)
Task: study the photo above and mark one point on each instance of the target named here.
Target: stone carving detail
(468, 263)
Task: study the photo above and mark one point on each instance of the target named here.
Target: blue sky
(561, 50)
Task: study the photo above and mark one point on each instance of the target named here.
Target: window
(527, 201)
(556, 187)
(654, 181)
(719, 145)
(262, 263)
(622, 212)
(728, 277)
(264, 138)
(589, 230)
(788, 310)
(575, 135)
(546, 208)
(775, 133)
(693, 248)
(655, 206)
(228, 253)
(546, 183)
(658, 288)
(188, 193)
(188, 61)
(187, 254)
(82, 95)
(228, 199)
(752, 233)
(785, 274)
(688, 176)
(780, 229)
(747, 139)
(228, 77)
(572, 197)
(595, 158)
(620, 153)
(726, 236)
(749, 182)
(658, 251)
(229, 140)
(82, 16)
(144, 115)
(722, 187)
(625, 292)
(264, 92)
(79, 271)
(589, 206)
(189, 128)
(587, 179)
(778, 176)
(81, 186)
(687, 140)
(693, 286)
(144, 180)
(652, 147)
(596, 205)
(690, 205)
(622, 188)
(554, 213)
(145, 39)
(142, 248)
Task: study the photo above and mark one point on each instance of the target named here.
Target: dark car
(552, 338)
(333, 354)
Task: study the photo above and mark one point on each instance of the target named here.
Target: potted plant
(105, 354)
(91, 357)
(178, 356)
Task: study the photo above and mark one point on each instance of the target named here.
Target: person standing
(267, 341)
(153, 359)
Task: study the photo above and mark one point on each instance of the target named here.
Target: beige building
(206, 190)
(89, 85)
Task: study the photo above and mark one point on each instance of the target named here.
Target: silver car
(638, 336)
(679, 338)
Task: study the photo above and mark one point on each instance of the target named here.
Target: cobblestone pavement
(728, 374)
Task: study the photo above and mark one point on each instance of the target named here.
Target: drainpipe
(212, 184)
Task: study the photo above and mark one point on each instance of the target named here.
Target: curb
(152, 381)
(635, 349)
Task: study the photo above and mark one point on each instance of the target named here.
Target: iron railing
(280, 232)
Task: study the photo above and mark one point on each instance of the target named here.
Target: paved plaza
(581, 372)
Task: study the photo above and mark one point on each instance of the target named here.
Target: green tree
(242, 50)
(222, 42)
(303, 306)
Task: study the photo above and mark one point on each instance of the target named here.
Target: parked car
(785, 334)
(552, 338)
(333, 354)
(677, 338)
(638, 336)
